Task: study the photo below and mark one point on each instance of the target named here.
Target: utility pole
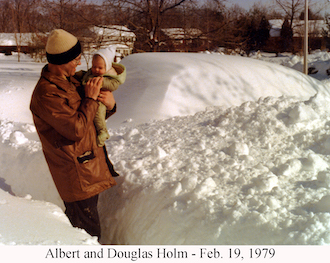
(306, 38)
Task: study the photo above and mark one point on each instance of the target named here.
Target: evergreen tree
(262, 34)
(326, 32)
(286, 36)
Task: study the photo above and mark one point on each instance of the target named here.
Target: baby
(113, 74)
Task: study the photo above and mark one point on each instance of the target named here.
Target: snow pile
(253, 161)
(223, 175)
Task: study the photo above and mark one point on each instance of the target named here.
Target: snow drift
(164, 85)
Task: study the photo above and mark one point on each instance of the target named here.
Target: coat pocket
(92, 170)
(86, 157)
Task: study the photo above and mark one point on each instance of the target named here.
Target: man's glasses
(77, 60)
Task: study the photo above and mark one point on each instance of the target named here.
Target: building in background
(105, 36)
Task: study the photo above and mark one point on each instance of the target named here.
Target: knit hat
(108, 54)
(62, 47)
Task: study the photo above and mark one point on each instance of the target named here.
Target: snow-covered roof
(10, 39)
(276, 26)
(181, 33)
(113, 30)
(315, 26)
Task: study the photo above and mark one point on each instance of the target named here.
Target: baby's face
(98, 66)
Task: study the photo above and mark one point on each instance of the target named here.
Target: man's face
(69, 68)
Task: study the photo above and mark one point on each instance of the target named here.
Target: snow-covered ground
(208, 149)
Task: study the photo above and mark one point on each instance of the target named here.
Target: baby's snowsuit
(111, 83)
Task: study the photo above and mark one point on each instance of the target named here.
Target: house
(120, 36)
(14, 42)
(315, 28)
(181, 39)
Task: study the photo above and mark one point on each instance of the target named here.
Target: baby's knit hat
(62, 47)
(108, 54)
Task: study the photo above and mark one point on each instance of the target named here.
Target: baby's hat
(108, 54)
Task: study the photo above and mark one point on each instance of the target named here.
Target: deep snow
(226, 156)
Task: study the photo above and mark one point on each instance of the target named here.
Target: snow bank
(319, 60)
(223, 175)
(29, 222)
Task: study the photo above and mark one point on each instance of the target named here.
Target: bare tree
(72, 15)
(291, 8)
(20, 12)
(213, 21)
(235, 35)
(5, 16)
(145, 17)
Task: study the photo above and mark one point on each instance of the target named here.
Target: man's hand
(93, 87)
(107, 98)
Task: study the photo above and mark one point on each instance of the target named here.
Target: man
(63, 114)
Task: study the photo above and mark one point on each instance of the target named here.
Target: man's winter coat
(64, 121)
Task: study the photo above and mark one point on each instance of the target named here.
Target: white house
(119, 36)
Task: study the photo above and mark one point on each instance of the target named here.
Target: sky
(247, 4)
